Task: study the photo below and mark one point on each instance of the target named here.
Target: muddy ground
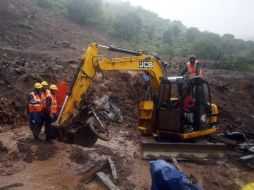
(26, 164)
(50, 50)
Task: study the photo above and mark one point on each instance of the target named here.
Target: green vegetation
(22, 24)
(52, 5)
(239, 63)
(146, 30)
(84, 11)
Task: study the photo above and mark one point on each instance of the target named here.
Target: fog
(219, 16)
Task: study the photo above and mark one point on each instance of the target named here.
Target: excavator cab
(184, 108)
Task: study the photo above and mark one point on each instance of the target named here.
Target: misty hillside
(46, 25)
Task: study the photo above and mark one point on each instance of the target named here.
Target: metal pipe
(102, 46)
(121, 50)
(61, 111)
(98, 119)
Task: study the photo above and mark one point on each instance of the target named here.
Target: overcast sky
(219, 16)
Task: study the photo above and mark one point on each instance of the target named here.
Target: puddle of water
(41, 175)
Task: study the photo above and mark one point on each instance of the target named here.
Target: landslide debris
(124, 89)
(30, 150)
(79, 156)
(9, 112)
(233, 93)
(9, 161)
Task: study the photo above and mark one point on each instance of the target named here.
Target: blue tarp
(166, 176)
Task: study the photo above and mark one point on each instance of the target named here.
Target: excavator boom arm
(92, 62)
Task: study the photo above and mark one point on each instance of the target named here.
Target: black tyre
(100, 131)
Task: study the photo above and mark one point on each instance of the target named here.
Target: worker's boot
(48, 131)
(36, 129)
(36, 137)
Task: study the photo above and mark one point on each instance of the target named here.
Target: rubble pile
(9, 112)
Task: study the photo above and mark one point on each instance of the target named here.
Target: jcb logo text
(146, 64)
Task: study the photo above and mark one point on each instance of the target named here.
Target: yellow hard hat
(53, 87)
(249, 186)
(37, 86)
(44, 83)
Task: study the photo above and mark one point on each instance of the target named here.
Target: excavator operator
(192, 68)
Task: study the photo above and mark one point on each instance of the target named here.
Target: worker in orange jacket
(193, 68)
(45, 92)
(50, 112)
(35, 110)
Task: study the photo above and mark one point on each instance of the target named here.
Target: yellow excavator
(177, 108)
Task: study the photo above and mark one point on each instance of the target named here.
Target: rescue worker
(192, 68)
(35, 110)
(45, 92)
(50, 112)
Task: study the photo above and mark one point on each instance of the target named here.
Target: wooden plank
(89, 174)
(174, 161)
(106, 181)
(113, 169)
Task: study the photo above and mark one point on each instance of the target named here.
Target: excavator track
(152, 149)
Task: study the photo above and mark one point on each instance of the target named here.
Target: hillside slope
(36, 45)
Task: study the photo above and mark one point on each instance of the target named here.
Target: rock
(66, 44)
(72, 61)
(20, 70)
(20, 62)
(57, 67)
(3, 148)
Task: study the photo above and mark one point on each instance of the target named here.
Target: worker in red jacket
(50, 112)
(189, 104)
